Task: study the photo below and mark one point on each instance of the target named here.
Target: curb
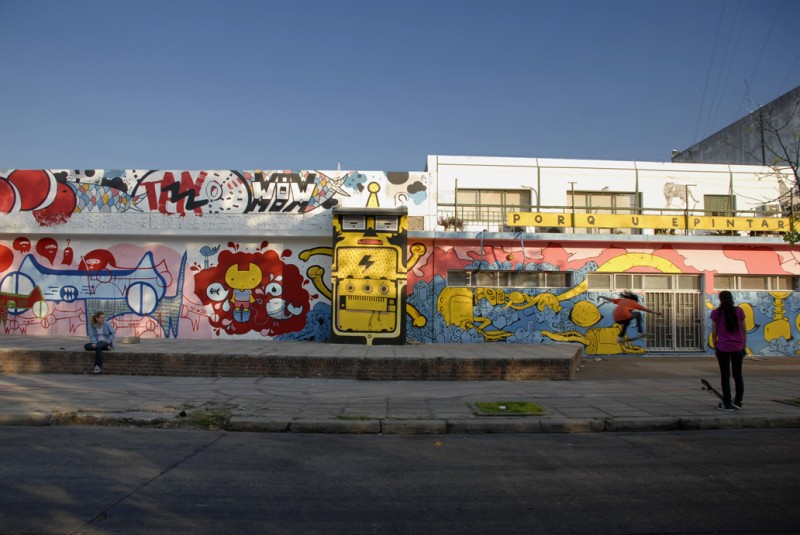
(257, 424)
(26, 418)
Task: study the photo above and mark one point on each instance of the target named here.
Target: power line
(708, 74)
(788, 74)
(733, 57)
(766, 41)
(721, 70)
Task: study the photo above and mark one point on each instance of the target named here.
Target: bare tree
(778, 141)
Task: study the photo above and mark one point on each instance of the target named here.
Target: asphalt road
(136, 481)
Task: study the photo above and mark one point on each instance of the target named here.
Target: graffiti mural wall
(231, 253)
(54, 197)
(265, 274)
(575, 313)
(48, 286)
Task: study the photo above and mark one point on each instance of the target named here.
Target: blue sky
(378, 85)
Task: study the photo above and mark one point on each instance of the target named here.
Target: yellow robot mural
(369, 275)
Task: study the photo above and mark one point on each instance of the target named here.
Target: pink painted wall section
(281, 290)
(575, 313)
(197, 290)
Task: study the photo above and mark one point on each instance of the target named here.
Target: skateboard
(629, 339)
(708, 388)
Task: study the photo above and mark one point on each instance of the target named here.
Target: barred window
(636, 281)
(756, 282)
(509, 279)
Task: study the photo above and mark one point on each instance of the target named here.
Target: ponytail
(728, 310)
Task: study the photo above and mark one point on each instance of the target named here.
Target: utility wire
(733, 57)
(766, 42)
(716, 93)
(788, 74)
(708, 74)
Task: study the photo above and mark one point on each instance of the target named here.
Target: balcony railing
(494, 218)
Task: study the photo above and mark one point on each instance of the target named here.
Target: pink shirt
(727, 340)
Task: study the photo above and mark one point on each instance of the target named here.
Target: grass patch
(794, 401)
(506, 408)
(209, 416)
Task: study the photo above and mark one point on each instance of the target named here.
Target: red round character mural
(22, 244)
(97, 260)
(48, 248)
(254, 292)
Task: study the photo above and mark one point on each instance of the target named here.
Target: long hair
(97, 315)
(728, 311)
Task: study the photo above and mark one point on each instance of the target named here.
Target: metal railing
(493, 218)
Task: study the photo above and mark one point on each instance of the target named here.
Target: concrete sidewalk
(608, 394)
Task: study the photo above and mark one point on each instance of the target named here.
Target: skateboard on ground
(708, 388)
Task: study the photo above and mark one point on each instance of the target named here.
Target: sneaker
(725, 408)
(97, 369)
(620, 339)
(737, 406)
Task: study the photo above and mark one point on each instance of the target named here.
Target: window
(619, 282)
(605, 202)
(509, 279)
(719, 205)
(491, 205)
(756, 283)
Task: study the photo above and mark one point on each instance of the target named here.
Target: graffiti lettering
(183, 194)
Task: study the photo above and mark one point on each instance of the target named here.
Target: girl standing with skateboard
(729, 337)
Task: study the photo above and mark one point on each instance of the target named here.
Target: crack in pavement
(102, 515)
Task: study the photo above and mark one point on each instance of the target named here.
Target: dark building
(750, 140)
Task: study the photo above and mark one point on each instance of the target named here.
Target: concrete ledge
(335, 426)
(557, 364)
(414, 427)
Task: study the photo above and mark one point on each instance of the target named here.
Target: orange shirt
(624, 308)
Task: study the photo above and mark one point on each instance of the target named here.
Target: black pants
(635, 315)
(98, 351)
(731, 362)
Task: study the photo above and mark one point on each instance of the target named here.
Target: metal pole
(455, 208)
(686, 196)
(572, 194)
(536, 191)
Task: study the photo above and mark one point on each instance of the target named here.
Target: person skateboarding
(626, 311)
(729, 335)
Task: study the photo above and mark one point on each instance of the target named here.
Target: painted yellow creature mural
(369, 275)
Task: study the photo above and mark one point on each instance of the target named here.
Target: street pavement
(630, 393)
